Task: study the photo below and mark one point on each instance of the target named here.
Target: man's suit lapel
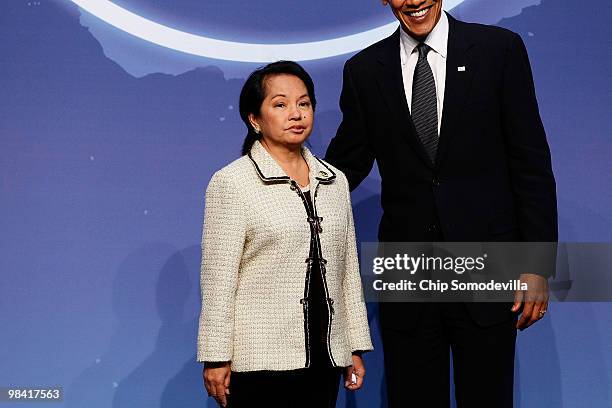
(392, 88)
(459, 75)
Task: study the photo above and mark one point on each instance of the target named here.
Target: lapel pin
(461, 69)
(322, 173)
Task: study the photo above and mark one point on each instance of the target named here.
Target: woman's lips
(296, 129)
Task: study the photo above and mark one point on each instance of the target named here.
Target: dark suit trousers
(417, 359)
(314, 387)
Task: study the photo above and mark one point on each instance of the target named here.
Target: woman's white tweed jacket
(255, 243)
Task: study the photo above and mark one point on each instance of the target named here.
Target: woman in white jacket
(283, 313)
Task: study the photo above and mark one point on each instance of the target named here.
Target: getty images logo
(412, 264)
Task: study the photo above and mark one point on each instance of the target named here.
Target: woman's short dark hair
(253, 94)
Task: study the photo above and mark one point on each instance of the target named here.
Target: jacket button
(435, 182)
(432, 228)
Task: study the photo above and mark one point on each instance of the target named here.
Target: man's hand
(535, 300)
(359, 370)
(217, 381)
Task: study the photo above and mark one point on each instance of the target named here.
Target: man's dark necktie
(425, 104)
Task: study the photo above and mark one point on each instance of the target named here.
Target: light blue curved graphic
(202, 46)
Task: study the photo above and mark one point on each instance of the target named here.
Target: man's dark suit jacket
(492, 180)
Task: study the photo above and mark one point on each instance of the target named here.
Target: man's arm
(532, 179)
(350, 150)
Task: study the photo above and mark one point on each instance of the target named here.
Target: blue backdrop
(108, 143)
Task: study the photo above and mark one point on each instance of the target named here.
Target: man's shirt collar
(437, 40)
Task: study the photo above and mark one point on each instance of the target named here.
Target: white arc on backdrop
(182, 41)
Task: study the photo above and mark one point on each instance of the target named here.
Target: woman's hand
(217, 380)
(358, 368)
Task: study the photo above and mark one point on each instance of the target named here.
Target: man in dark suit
(448, 111)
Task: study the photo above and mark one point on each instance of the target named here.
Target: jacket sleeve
(350, 150)
(354, 304)
(222, 245)
(532, 178)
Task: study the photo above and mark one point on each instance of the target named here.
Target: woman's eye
(279, 105)
(305, 104)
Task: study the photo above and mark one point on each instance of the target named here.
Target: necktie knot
(423, 50)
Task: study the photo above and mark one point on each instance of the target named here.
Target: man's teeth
(419, 13)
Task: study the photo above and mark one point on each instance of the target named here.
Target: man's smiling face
(418, 17)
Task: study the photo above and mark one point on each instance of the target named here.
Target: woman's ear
(254, 123)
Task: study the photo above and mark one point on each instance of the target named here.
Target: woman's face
(286, 115)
